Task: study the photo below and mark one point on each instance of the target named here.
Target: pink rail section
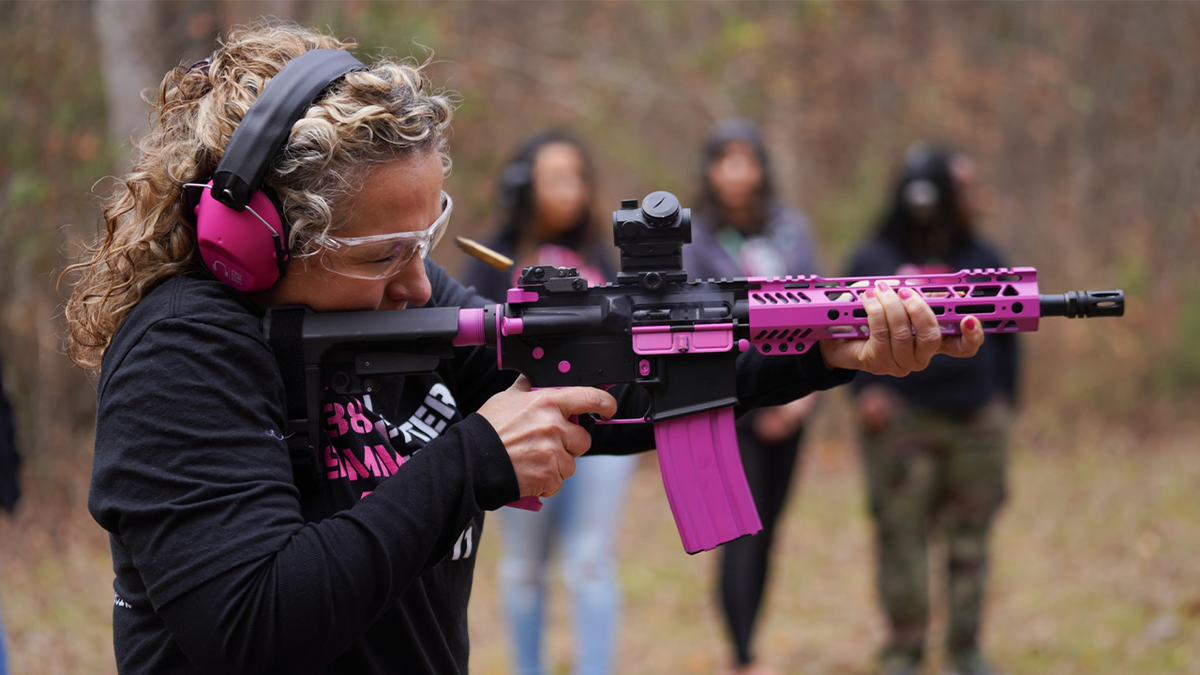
(789, 314)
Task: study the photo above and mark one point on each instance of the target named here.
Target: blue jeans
(580, 523)
(3, 652)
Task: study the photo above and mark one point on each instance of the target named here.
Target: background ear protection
(921, 197)
(240, 226)
(515, 181)
(921, 194)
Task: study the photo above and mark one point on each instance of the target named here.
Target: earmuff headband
(267, 124)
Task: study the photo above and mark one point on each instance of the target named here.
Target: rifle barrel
(1083, 304)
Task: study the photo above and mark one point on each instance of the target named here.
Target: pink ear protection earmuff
(245, 249)
(240, 227)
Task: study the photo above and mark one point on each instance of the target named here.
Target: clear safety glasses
(382, 256)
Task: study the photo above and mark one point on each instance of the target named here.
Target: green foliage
(1066, 109)
(1181, 370)
(847, 217)
(403, 30)
(740, 34)
(1082, 98)
(26, 188)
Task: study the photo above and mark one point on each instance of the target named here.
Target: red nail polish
(882, 286)
(970, 322)
(904, 293)
(869, 293)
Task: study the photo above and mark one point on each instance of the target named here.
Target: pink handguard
(790, 314)
(705, 483)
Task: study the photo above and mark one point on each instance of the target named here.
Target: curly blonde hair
(369, 117)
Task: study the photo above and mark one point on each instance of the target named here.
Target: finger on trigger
(583, 400)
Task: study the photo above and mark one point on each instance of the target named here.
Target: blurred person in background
(546, 193)
(934, 442)
(739, 228)
(10, 489)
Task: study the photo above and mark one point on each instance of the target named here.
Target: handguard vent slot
(975, 309)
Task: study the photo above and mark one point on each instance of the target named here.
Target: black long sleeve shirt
(949, 385)
(222, 566)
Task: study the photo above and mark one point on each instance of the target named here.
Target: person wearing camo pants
(927, 472)
(934, 443)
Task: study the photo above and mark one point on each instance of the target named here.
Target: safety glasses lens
(383, 257)
(374, 262)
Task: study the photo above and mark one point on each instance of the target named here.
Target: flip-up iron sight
(553, 279)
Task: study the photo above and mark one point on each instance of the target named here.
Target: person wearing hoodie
(934, 442)
(740, 228)
(546, 193)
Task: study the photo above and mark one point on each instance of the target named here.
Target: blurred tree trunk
(131, 56)
(139, 40)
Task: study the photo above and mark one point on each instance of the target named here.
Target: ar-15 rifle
(653, 328)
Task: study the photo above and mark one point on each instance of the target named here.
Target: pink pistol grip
(535, 503)
(705, 483)
(527, 504)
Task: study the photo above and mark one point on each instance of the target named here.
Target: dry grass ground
(1096, 571)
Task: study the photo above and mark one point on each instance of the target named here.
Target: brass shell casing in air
(487, 255)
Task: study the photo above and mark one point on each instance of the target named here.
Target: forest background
(1083, 119)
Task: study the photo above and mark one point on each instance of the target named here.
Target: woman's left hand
(905, 336)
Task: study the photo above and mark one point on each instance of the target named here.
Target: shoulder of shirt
(988, 251)
(442, 290)
(447, 291)
(184, 299)
(875, 257)
(784, 217)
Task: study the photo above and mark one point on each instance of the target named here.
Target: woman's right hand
(536, 431)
